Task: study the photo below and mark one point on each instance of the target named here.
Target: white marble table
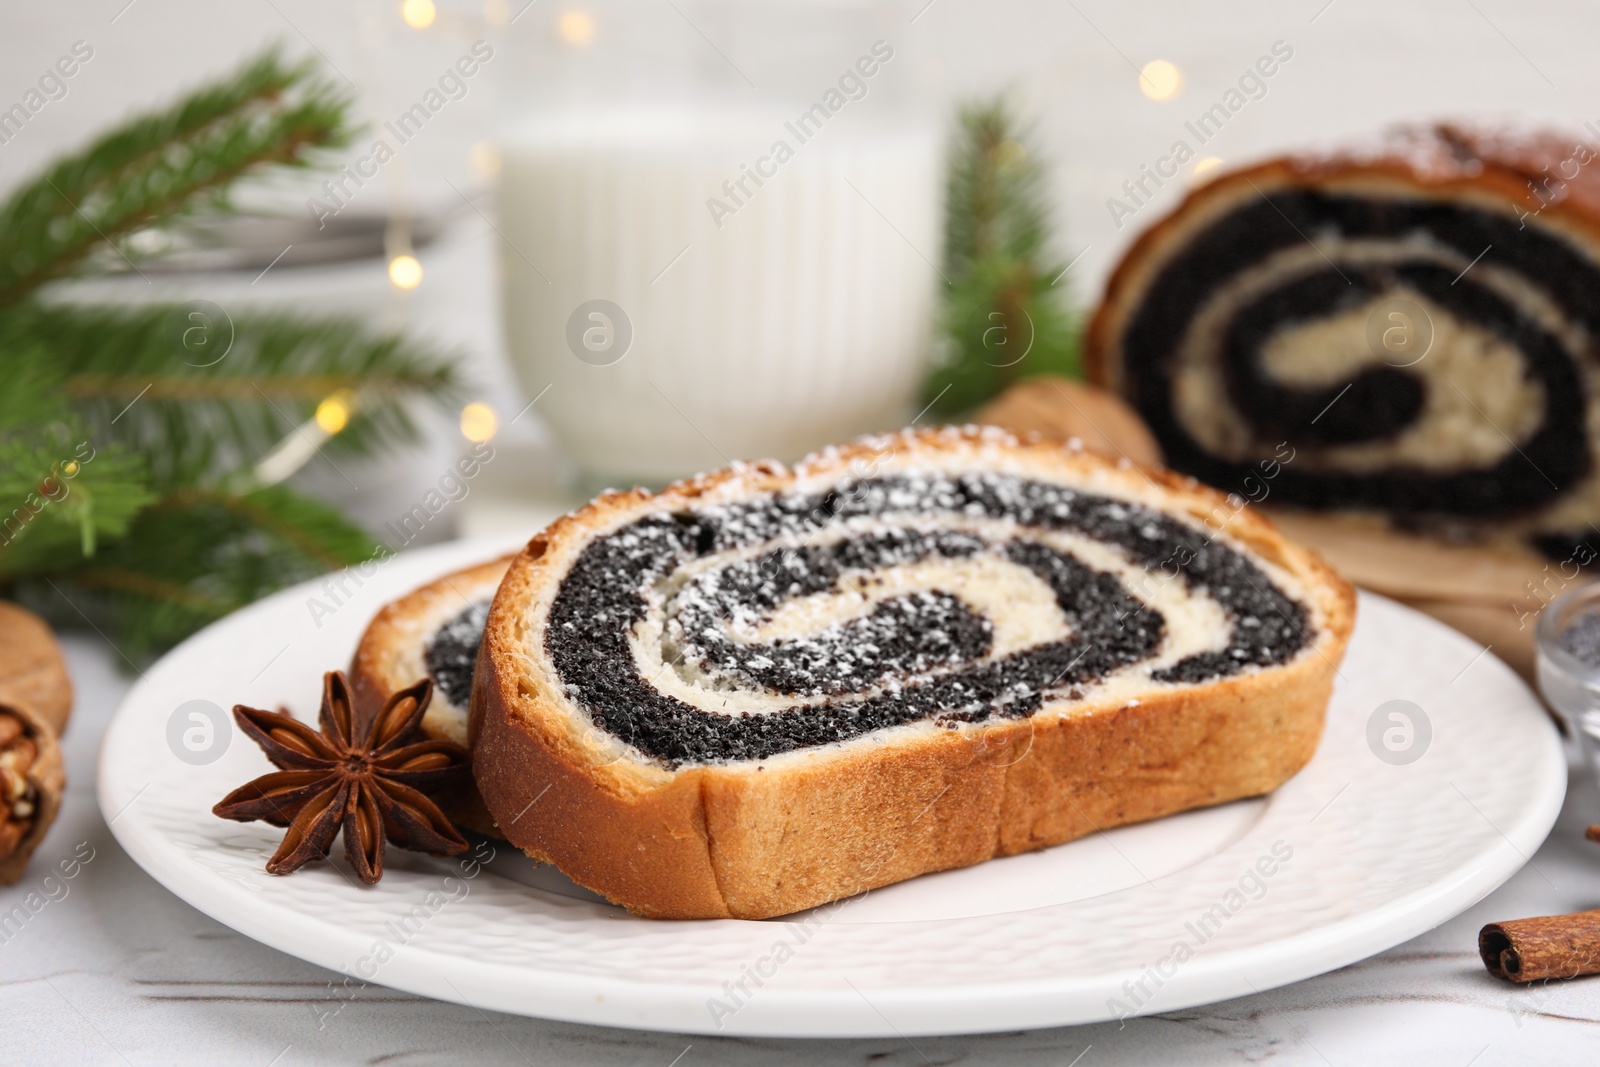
(114, 969)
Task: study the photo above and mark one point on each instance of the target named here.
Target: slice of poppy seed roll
(765, 688)
(1407, 329)
(432, 632)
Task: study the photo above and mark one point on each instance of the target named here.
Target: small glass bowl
(1570, 686)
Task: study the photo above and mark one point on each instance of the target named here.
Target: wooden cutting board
(1061, 408)
(1493, 594)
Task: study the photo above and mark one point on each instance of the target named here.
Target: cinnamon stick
(1533, 950)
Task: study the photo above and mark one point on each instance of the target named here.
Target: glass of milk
(719, 224)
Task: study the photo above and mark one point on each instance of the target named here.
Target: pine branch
(157, 167)
(194, 556)
(123, 431)
(200, 408)
(62, 497)
(1004, 318)
(31, 395)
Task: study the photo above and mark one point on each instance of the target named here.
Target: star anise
(364, 774)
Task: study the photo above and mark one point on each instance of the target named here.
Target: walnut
(31, 781)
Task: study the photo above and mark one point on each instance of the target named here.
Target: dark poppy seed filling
(905, 635)
(451, 654)
(906, 678)
(1374, 247)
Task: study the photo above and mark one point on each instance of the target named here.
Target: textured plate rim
(955, 1008)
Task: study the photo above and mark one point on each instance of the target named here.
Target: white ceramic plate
(1356, 854)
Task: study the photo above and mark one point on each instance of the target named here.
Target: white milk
(802, 319)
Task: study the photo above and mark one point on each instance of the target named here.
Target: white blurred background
(1073, 65)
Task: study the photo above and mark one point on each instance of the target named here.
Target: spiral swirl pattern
(1427, 355)
(741, 631)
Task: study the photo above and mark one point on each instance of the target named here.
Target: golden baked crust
(389, 658)
(754, 840)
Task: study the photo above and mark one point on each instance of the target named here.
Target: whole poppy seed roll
(1407, 328)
